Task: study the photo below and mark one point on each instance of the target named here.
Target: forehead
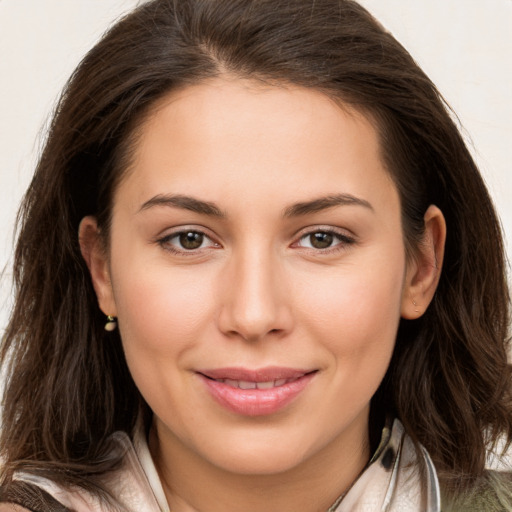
(226, 137)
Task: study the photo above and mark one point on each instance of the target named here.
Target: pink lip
(255, 402)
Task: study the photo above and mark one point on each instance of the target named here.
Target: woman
(257, 270)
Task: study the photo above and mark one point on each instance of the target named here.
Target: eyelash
(165, 242)
(342, 239)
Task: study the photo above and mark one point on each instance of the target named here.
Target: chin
(263, 464)
(261, 457)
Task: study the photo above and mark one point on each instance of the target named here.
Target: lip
(279, 387)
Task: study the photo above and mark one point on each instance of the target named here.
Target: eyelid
(344, 237)
(164, 239)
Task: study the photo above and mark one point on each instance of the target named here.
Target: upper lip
(267, 374)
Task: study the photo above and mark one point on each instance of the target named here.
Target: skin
(257, 292)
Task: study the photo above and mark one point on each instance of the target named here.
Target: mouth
(246, 384)
(256, 392)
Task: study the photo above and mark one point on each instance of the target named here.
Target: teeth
(243, 384)
(265, 385)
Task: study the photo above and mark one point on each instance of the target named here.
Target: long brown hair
(68, 387)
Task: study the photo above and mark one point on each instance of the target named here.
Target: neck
(192, 484)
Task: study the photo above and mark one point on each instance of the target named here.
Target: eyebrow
(295, 210)
(186, 203)
(324, 203)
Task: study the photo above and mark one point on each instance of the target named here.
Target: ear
(424, 268)
(96, 258)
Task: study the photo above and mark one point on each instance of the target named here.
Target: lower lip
(256, 402)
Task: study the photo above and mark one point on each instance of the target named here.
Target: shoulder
(19, 496)
(491, 492)
(124, 487)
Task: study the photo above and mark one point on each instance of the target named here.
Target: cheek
(356, 322)
(162, 317)
(356, 313)
(160, 309)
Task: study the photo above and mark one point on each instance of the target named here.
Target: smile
(245, 384)
(256, 392)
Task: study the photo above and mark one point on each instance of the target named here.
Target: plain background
(465, 46)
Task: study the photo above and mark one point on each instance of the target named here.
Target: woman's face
(258, 271)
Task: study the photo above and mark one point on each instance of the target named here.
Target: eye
(190, 240)
(186, 241)
(324, 239)
(320, 240)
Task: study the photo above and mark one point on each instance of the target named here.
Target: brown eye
(325, 241)
(191, 240)
(321, 240)
(187, 242)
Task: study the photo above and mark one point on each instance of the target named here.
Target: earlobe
(424, 269)
(95, 257)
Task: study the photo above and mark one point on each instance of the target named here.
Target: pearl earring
(111, 323)
(415, 304)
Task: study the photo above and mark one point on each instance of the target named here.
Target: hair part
(68, 386)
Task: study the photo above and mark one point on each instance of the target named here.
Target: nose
(254, 302)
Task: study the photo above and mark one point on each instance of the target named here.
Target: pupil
(321, 240)
(191, 240)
